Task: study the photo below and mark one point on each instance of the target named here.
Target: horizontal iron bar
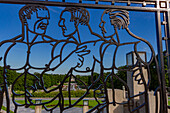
(127, 1)
(97, 6)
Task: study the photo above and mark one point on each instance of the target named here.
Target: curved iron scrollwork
(36, 34)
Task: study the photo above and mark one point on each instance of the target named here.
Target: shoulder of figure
(18, 38)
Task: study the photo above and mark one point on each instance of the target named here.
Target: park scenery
(53, 59)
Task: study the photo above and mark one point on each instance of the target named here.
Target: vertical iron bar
(168, 44)
(1, 97)
(161, 64)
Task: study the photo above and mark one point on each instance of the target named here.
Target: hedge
(77, 93)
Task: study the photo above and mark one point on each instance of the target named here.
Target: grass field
(4, 108)
(92, 103)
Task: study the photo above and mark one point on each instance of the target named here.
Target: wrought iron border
(99, 6)
(158, 9)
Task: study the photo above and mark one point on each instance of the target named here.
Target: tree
(154, 75)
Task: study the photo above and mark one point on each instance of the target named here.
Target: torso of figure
(114, 55)
(23, 54)
(104, 55)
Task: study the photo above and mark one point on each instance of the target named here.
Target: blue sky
(142, 24)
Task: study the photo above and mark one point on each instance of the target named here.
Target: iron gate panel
(78, 48)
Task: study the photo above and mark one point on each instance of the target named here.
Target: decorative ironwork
(118, 17)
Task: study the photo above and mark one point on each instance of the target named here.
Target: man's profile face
(38, 22)
(68, 28)
(106, 28)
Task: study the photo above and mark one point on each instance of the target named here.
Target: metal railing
(119, 18)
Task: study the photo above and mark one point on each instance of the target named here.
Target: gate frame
(160, 6)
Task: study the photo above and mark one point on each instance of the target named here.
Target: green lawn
(92, 103)
(4, 108)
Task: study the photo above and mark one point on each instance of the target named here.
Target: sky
(142, 24)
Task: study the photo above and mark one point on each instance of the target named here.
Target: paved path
(21, 109)
(71, 110)
(29, 110)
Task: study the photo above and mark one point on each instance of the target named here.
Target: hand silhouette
(81, 51)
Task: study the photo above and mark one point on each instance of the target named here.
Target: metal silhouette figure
(28, 37)
(119, 19)
(34, 19)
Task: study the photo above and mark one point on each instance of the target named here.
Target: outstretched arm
(68, 58)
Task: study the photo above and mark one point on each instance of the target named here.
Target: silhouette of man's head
(35, 17)
(113, 19)
(70, 18)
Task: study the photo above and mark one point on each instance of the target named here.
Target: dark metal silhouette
(119, 19)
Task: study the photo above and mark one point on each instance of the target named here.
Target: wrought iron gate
(118, 13)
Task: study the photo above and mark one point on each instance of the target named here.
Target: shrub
(77, 93)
